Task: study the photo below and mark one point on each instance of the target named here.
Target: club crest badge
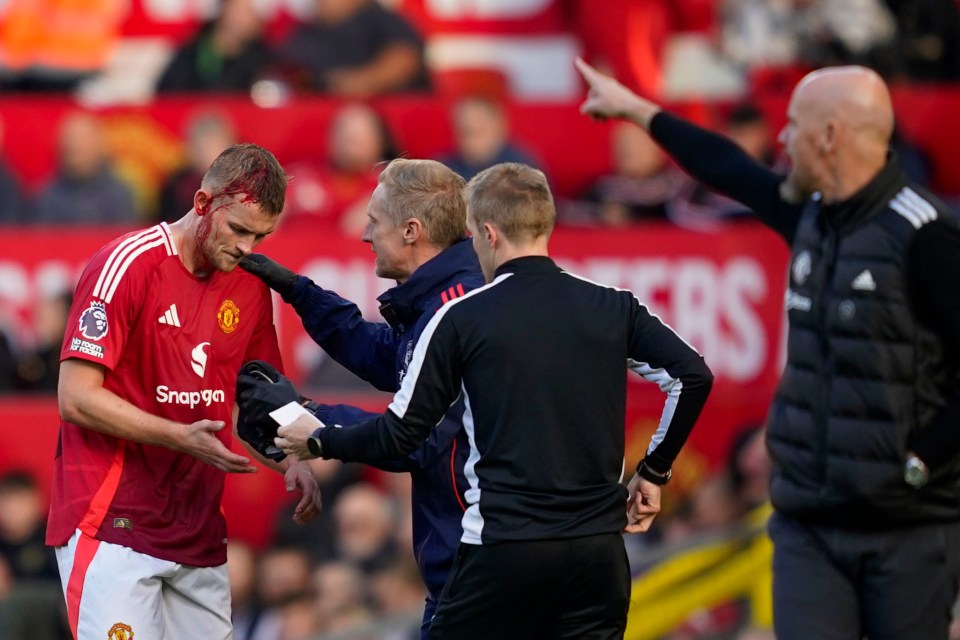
(228, 317)
(93, 321)
(120, 631)
(801, 268)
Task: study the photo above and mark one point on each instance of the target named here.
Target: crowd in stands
(351, 573)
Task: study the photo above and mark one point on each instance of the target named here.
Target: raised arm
(711, 158)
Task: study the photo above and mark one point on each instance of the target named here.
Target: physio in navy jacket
(417, 228)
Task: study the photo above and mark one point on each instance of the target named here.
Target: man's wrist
(314, 444)
(651, 475)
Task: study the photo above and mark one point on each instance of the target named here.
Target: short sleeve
(106, 305)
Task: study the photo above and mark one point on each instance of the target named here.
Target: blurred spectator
(749, 466)
(251, 621)
(207, 136)
(641, 185)
(748, 127)
(334, 195)
(482, 138)
(341, 598)
(283, 575)
(913, 160)
(355, 49)
(929, 38)
(695, 205)
(298, 619)
(34, 611)
(398, 593)
(365, 525)
(85, 189)
(814, 33)
(22, 530)
(38, 369)
(8, 363)
(51, 45)
(319, 536)
(13, 204)
(225, 56)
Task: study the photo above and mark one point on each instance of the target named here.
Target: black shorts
(573, 588)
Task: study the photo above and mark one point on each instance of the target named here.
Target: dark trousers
(840, 584)
(575, 588)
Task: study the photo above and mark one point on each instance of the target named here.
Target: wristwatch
(314, 446)
(915, 472)
(654, 476)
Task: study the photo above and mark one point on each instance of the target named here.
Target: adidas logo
(864, 281)
(170, 317)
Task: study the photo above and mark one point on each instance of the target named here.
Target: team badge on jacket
(229, 316)
(120, 631)
(93, 321)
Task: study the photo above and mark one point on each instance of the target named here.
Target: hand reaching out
(200, 441)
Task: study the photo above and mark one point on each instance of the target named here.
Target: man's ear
(490, 234)
(828, 139)
(201, 202)
(412, 230)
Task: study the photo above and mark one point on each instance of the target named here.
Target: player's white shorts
(115, 593)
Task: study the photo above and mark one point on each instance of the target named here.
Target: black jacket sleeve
(934, 259)
(723, 166)
(661, 356)
(431, 385)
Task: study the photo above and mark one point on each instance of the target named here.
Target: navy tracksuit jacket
(379, 352)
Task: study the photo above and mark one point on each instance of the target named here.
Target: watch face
(313, 446)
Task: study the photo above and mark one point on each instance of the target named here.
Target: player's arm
(367, 349)
(85, 402)
(297, 475)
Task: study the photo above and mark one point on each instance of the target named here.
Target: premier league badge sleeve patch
(93, 321)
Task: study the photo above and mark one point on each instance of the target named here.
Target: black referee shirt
(539, 355)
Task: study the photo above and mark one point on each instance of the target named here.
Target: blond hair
(430, 192)
(513, 197)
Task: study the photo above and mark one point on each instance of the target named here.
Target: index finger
(589, 74)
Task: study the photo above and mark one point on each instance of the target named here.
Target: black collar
(528, 264)
(871, 199)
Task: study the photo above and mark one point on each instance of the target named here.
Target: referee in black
(539, 356)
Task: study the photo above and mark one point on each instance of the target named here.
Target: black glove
(260, 390)
(274, 275)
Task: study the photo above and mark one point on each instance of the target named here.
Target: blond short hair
(429, 191)
(513, 197)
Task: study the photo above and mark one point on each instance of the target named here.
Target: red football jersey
(172, 345)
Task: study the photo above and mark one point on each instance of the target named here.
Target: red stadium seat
(483, 81)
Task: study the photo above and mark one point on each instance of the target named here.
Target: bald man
(864, 429)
